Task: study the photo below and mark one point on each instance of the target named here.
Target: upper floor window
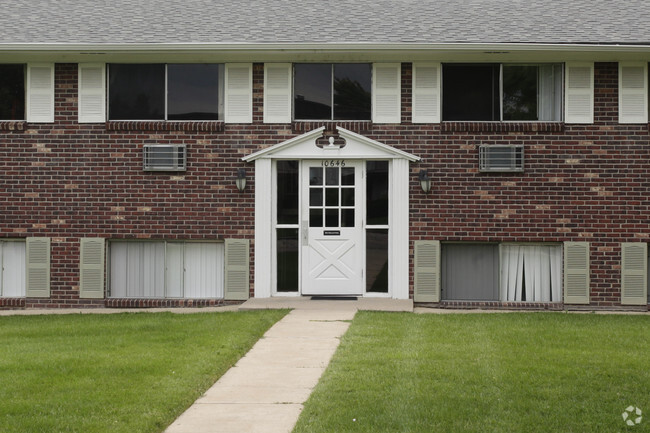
(509, 92)
(165, 92)
(12, 92)
(340, 91)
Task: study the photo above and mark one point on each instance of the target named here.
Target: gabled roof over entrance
(356, 147)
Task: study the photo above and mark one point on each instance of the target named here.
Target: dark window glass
(347, 217)
(470, 92)
(377, 192)
(332, 197)
(313, 91)
(316, 217)
(315, 197)
(347, 176)
(520, 90)
(377, 261)
(193, 92)
(287, 260)
(136, 92)
(331, 218)
(352, 91)
(332, 176)
(288, 192)
(470, 272)
(347, 196)
(315, 176)
(12, 92)
(318, 86)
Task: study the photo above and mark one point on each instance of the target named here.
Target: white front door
(332, 228)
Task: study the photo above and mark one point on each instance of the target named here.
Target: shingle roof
(325, 21)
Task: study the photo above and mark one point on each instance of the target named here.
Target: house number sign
(333, 163)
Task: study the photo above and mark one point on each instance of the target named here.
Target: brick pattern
(182, 127)
(165, 303)
(18, 126)
(459, 305)
(581, 183)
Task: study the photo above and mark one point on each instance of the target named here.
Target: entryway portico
(331, 219)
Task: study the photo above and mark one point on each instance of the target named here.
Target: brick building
(461, 154)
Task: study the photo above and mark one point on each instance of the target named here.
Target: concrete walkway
(265, 390)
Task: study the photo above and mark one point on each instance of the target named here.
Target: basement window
(165, 92)
(502, 92)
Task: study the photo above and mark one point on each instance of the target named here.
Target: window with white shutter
(38, 267)
(576, 273)
(579, 93)
(426, 92)
(277, 93)
(239, 93)
(91, 268)
(634, 273)
(426, 271)
(40, 92)
(633, 92)
(386, 93)
(92, 93)
(237, 269)
(12, 269)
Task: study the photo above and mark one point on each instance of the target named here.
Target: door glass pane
(347, 217)
(315, 176)
(136, 92)
(315, 197)
(377, 261)
(315, 217)
(347, 176)
(287, 192)
(347, 196)
(312, 91)
(332, 197)
(377, 193)
(193, 91)
(331, 218)
(287, 270)
(332, 176)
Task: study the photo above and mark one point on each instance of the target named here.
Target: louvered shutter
(277, 93)
(91, 268)
(40, 93)
(92, 93)
(386, 93)
(237, 269)
(38, 268)
(579, 94)
(634, 273)
(427, 271)
(576, 273)
(633, 93)
(426, 93)
(239, 93)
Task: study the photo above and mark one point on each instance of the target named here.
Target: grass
(520, 372)
(115, 373)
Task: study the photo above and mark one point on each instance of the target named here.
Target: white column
(398, 273)
(263, 227)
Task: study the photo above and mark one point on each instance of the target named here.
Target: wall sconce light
(425, 181)
(240, 180)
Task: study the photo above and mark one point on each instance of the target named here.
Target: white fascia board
(305, 46)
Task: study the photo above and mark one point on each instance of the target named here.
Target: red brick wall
(581, 182)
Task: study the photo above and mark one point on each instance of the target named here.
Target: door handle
(305, 233)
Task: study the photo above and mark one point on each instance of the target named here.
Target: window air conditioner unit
(504, 159)
(163, 157)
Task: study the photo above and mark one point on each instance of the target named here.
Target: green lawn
(115, 373)
(519, 372)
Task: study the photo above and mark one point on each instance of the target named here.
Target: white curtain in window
(175, 269)
(531, 273)
(204, 270)
(138, 269)
(12, 269)
(550, 92)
